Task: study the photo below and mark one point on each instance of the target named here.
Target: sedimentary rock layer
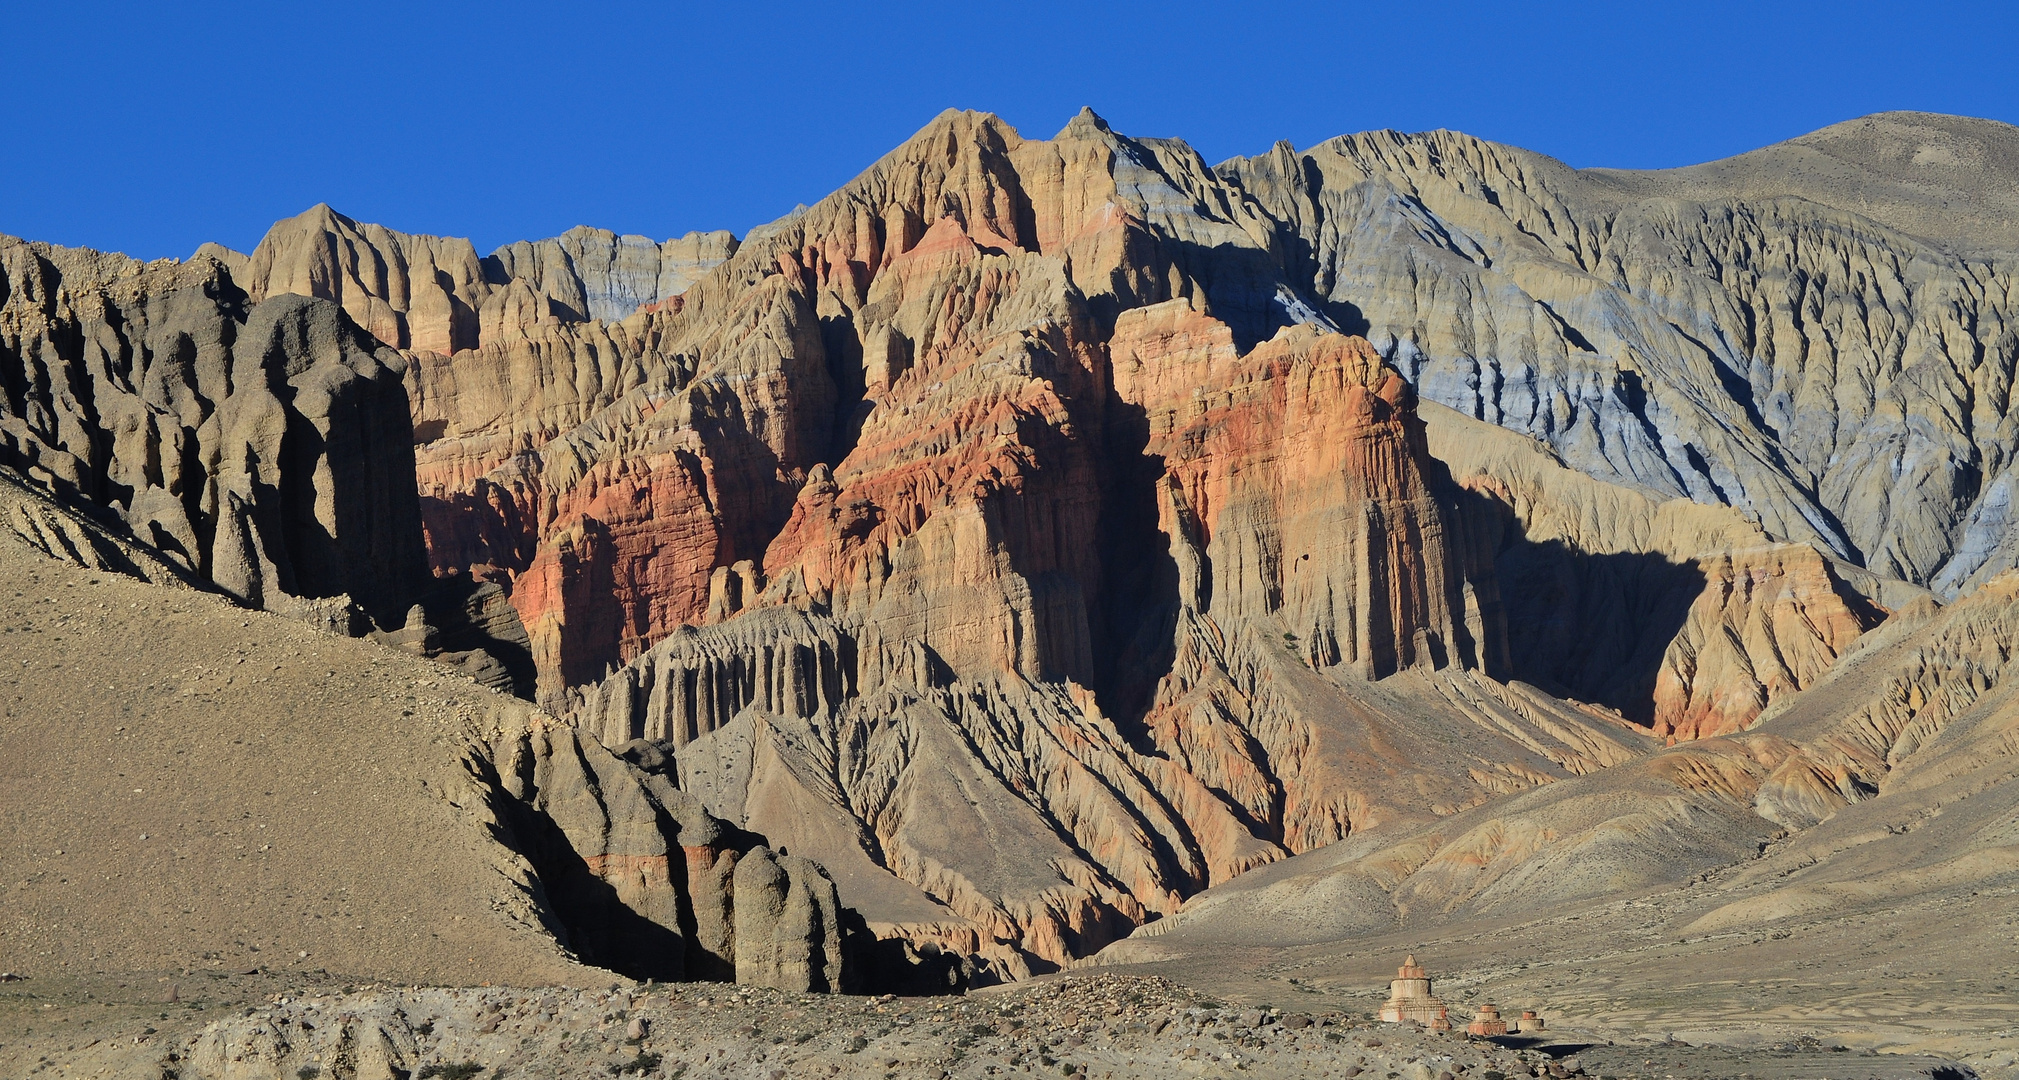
(1648, 342)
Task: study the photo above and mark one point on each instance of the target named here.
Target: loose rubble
(1102, 1027)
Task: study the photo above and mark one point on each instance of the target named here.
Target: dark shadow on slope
(1347, 317)
(99, 529)
(842, 344)
(1572, 336)
(1587, 625)
(579, 908)
(1243, 287)
(1631, 391)
(1300, 264)
(897, 966)
(1545, 1044)
(469, 626)
(871, 965)
(1136, 614)
(1594, 626)
(1737, 387)
(483, 532)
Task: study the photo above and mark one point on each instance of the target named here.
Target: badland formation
(1037, 556)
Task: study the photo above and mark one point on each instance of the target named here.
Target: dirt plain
(1098, 1026)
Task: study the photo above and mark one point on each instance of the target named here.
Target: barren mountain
(1035, 534)
(755, 445)
(1083, 332)
(1737, 333)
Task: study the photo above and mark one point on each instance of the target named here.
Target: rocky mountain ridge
(1840, 381)
(435, 294)
(1038, 532)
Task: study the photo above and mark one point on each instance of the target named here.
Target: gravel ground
(1098, 1027)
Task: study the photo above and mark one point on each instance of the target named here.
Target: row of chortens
(1410, 1001)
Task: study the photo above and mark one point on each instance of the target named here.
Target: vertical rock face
(264, 447)
(788, 926)
(1298, 473)
(1664, 381)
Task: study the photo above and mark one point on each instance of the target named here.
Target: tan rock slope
(274, 809)
(1949, 179)
(1868, 823)
(200, 788)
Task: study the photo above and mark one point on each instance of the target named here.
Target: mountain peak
(1086, 125)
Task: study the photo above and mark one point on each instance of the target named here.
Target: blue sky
(151, 128)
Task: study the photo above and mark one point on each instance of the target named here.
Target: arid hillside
(1027, 547)
(1845, 868)
(206, 791)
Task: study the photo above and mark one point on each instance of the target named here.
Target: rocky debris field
(1101, 1027)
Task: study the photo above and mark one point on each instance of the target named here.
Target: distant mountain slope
(435, 294)
(1709, 332)
(1953, 180)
